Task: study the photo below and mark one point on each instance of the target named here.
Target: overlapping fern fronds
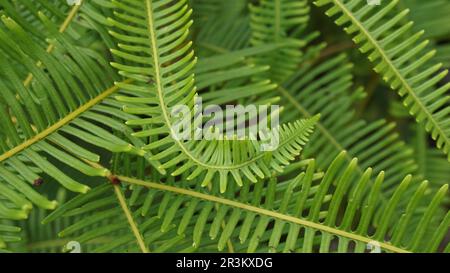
(47, 115)
(100, 147)
(160, 61)
(380, 32)
(325, 88)
(295, 215)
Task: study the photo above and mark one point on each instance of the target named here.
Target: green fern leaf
(299, 214)
(162, 74)
(380, 33)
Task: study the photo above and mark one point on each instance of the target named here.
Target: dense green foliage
(88, 152)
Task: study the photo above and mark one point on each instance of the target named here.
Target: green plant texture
(89, 154)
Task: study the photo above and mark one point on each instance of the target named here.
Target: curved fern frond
(381, 34)
(295, 215)
(160, 61)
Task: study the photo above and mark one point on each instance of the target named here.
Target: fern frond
(160, 61)
(113, 230)
(297, 215)
(381, 34)
(325, 88)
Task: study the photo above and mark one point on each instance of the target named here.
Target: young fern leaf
(380, 33)
(153, 41)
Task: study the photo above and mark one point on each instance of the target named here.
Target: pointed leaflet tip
(444, 188)
(317, 117)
